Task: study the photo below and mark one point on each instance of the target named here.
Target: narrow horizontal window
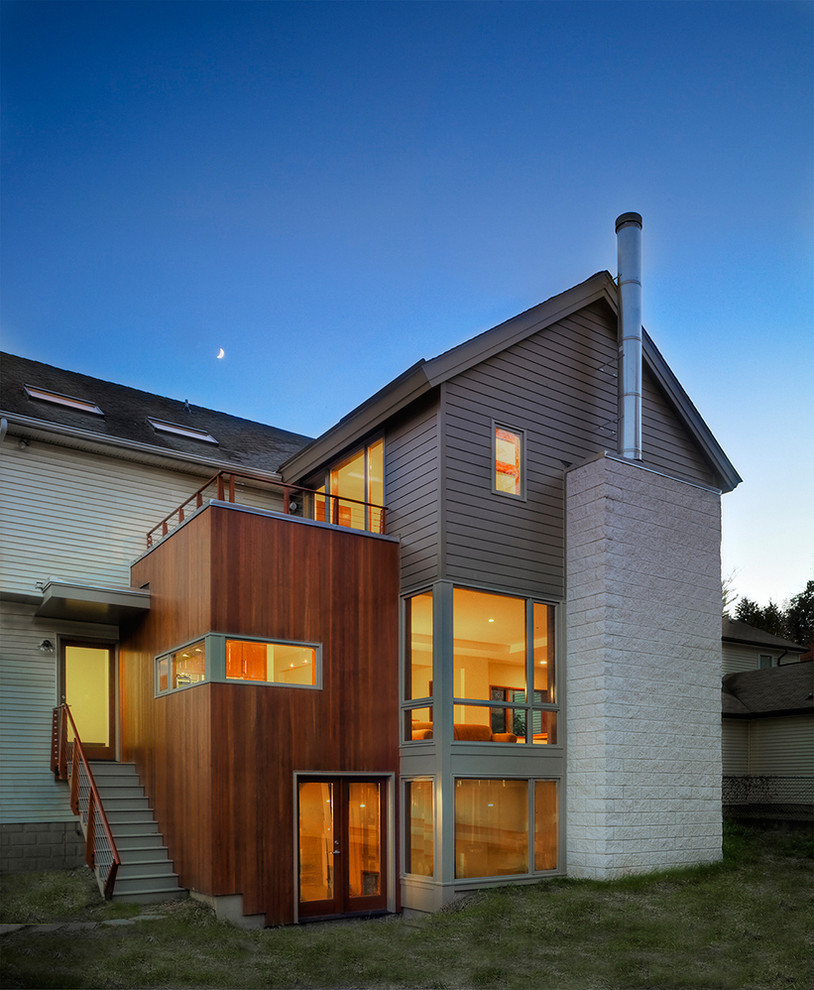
(68, 401)
(181, 431)
(289, 664)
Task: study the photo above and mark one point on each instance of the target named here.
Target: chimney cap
(626, 218)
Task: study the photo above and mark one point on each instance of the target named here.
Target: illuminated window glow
(508, 462)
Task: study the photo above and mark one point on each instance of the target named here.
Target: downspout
(629, 266)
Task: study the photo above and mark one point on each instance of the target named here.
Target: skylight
(69, 401)
(181, 431)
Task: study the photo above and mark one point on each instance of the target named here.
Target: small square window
(765, 660)
(507, 461)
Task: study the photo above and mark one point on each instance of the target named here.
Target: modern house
(468, 636)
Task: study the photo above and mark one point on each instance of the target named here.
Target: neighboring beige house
(768, 726)
(743, 647)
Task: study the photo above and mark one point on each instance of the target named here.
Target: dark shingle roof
(787, 690)
(741, 632)
(126, 411)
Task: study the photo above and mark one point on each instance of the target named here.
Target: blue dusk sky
(331, 191)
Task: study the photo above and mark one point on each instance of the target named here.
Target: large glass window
(501, 645)
(353, 494)
(419, 845)
(492, 827)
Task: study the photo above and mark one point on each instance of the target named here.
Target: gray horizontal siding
(560, 387)
(666, 445)
(28, 693)
(411, 493)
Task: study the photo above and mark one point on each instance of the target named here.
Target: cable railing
(292, 500)
(69, 762)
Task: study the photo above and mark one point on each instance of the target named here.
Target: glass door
(87, 679)
(341, 847)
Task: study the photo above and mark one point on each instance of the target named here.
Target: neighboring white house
(81, 483)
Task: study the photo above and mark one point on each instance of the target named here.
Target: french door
(88, 684)
(341, 846)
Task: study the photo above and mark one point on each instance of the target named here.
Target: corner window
(508, 461)
(219, 659)
(182, 668)
(274, 663)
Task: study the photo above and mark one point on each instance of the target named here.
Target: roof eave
(91, 440)
(672, 388)
(365, 418)
(428, 374)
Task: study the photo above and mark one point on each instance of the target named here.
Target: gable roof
(125, 420)
(735, 631)
(787, 690)
(426, 375)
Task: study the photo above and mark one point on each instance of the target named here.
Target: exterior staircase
(146, 873)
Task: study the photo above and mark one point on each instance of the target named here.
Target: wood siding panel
(278, 579)
(412, 492)
(28, 694)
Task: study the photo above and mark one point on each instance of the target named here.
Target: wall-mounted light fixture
(46, 646)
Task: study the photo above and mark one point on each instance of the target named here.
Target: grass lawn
(745, 923)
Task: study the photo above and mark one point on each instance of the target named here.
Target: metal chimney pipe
(629, 266)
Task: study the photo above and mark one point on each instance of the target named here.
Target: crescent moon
(220, 353)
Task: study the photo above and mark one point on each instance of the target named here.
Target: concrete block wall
(643, 628)
(28, 847)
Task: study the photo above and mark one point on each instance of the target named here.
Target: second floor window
(353, 493)
(508, 464)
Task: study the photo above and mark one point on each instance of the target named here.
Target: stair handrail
(85, 800)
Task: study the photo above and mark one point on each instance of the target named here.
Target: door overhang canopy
(86, 603)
